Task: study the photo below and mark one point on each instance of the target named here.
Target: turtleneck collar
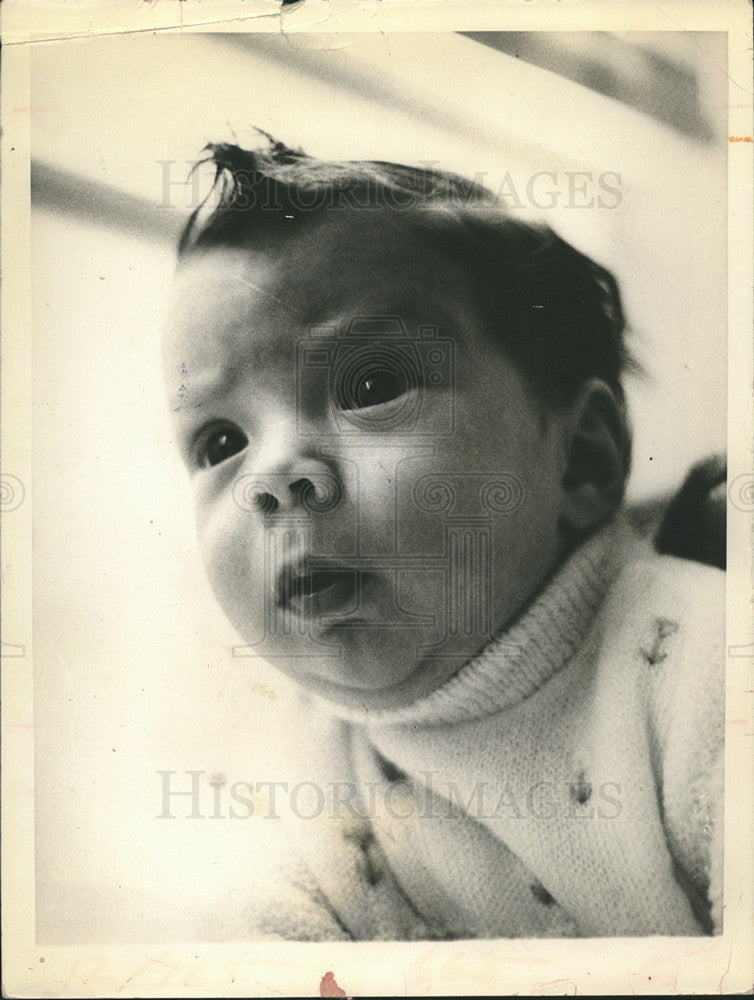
(520, 659)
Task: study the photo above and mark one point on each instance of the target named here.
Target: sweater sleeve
(335, 887)
(687, 705)
(293, 907)
(286, 903)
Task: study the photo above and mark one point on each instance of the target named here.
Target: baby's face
(376, 490)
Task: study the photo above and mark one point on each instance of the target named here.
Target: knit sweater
(567, 781)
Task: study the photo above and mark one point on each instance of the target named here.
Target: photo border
(534, 966)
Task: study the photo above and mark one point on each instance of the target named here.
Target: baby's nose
(302, 489)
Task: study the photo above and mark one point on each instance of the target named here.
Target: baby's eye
(372, 386)
(220, 444)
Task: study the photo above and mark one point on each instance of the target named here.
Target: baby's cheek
(234, 560)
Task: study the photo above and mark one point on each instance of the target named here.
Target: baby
(402, 414)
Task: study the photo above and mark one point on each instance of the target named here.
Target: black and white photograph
(376, 462)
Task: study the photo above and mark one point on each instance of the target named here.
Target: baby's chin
(373, 672)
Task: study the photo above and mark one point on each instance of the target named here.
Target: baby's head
(400, 409)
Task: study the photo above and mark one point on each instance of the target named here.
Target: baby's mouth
(332, 591)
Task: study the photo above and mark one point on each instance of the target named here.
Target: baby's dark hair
(555, 312)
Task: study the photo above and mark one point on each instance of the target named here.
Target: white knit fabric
(566, 782)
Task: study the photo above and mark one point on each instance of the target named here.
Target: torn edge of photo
(377, 494)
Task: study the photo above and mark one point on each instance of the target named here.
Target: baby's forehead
(326, 274)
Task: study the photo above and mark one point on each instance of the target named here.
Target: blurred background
(617, 141)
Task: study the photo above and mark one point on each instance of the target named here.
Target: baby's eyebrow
(409, 309)
(402, 300)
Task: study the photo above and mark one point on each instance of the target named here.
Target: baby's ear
(595, 452)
